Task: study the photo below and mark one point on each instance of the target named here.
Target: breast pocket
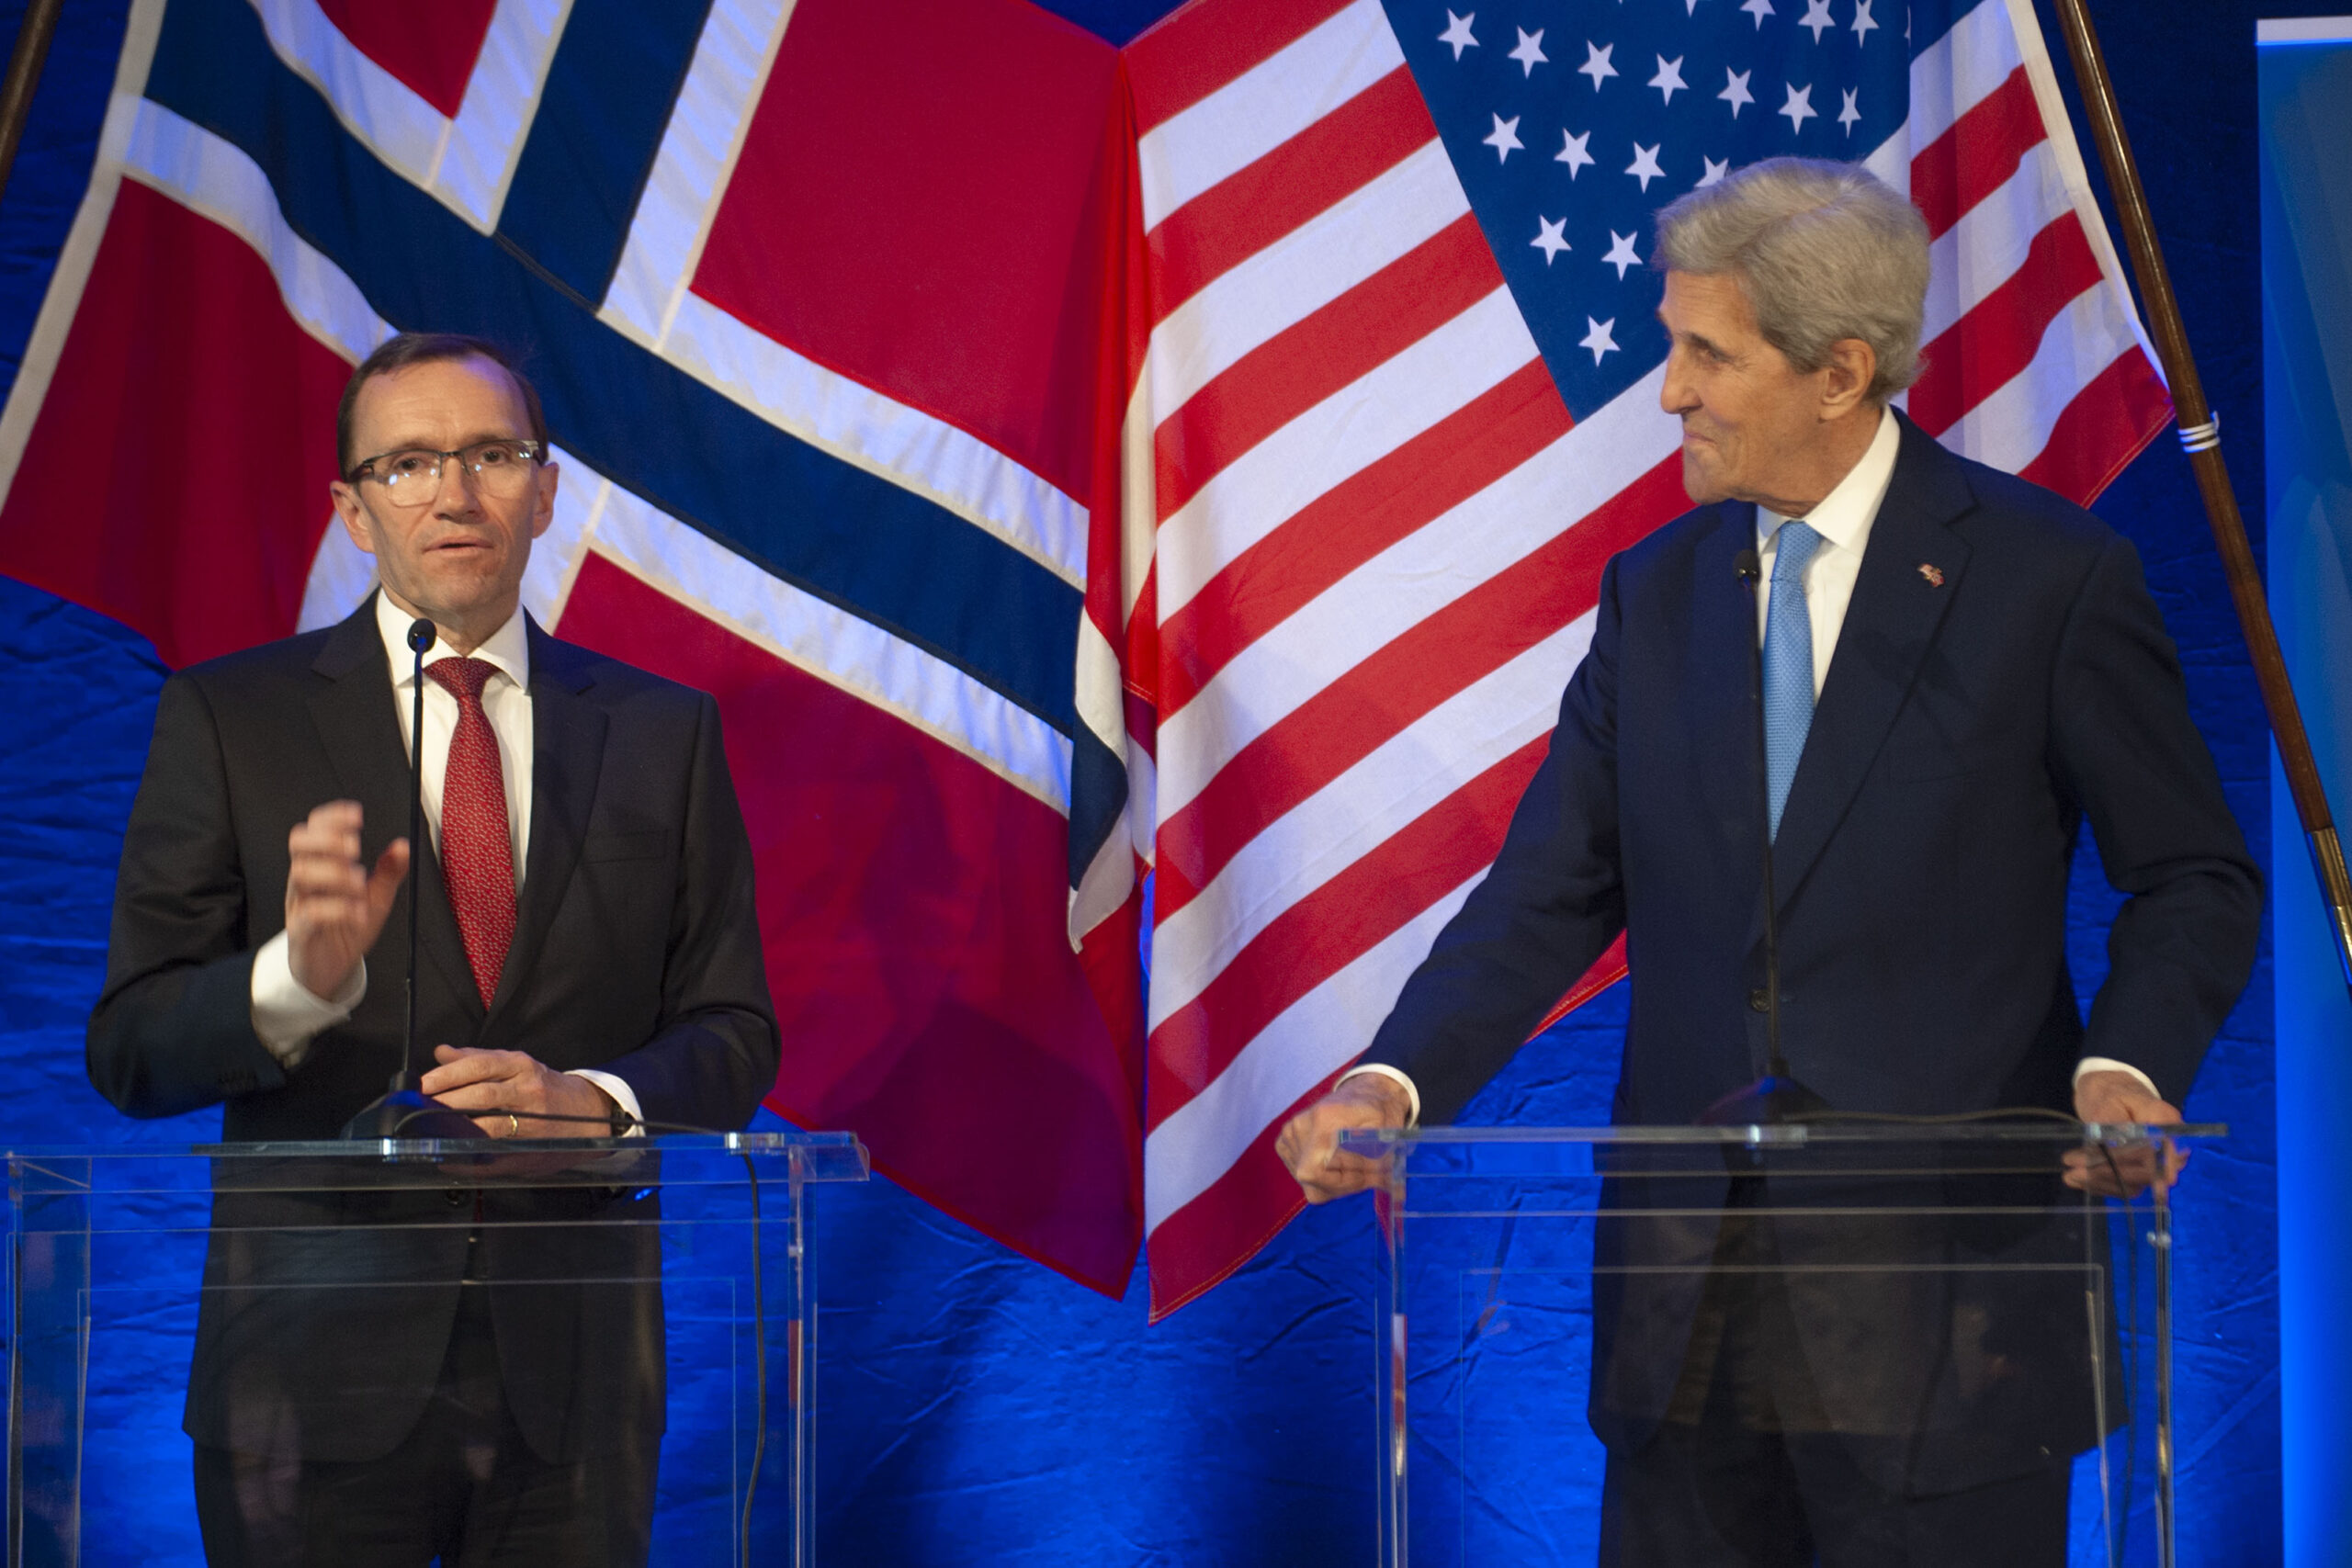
(649, 845)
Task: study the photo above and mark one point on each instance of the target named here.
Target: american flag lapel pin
(1934, 574)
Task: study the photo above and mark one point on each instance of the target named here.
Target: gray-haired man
(1960, 669)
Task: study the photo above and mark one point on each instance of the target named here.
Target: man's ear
(543, 508)
(353, 516)
(1853, 364)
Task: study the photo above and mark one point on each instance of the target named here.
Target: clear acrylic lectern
(1931, 1300)
(297, 1299)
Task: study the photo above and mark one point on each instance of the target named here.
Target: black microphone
(403, 1111)
(1777, 1095)
(420, 642)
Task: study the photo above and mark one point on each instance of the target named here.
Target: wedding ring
(513, 1126)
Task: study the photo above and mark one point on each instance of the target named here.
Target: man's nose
(1673, 392)
(454, 486)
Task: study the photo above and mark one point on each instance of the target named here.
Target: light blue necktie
(1788, 663)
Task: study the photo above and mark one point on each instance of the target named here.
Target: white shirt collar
(1845, 515)
(508, 647)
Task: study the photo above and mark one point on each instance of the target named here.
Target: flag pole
(2201, 436)
(33, 34)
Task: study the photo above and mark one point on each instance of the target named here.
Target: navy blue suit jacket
(1965, 731)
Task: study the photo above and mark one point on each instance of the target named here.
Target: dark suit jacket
(1964, 732)
(635, 950)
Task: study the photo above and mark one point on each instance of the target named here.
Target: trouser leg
(2019, 1522)
(464, 1488)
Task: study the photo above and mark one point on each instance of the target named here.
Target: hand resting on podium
(519, 1085)
(2115, 1098)
(1309, 1144)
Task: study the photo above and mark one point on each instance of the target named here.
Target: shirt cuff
(287, 1016)
(2109, 1065)
(623, 1096)
(1412, 1095)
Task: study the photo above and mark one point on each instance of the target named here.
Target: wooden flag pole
(33, 34)
(2201, 436)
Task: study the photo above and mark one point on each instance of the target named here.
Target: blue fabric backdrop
(974, 1407)
(2306, 99)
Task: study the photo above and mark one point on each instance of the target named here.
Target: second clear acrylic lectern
(1932, 1307)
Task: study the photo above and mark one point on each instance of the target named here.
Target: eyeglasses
(500, 469)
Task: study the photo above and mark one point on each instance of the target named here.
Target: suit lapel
(567, 758)
(357, 722)
(1892, 622)
(1723, 674)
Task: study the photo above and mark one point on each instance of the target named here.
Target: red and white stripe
(1363, 537)
(2036, 361)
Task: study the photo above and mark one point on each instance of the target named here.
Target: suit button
(1758, 1001)
(455, 1197)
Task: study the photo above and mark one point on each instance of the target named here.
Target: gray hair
(1823, 250)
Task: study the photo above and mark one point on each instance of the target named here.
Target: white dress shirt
(1843, 520)
(287, 1015)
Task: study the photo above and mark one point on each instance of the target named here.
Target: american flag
(1391, 401)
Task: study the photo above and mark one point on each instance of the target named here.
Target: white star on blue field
(1571, 122)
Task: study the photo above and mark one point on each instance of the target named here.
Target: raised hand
(336, 907)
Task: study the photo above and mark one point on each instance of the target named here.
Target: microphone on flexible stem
(403, 1111)
(420, 643)
(1777, 1095)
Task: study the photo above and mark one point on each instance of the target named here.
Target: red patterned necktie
(476, 854)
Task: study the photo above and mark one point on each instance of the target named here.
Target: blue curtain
(2306, 127)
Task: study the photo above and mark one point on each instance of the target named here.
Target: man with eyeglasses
(588, 959)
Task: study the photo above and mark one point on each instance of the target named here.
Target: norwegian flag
(811, 292)
(1393, 400)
